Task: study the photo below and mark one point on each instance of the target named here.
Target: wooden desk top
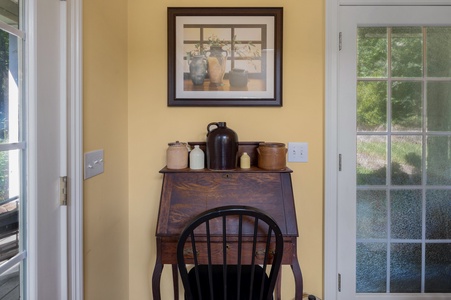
(237, 170)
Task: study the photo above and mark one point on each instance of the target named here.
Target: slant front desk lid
(186, 193)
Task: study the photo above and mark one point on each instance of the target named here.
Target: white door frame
(75, 149)
(331, 151)
(331, 284)
(71, 282)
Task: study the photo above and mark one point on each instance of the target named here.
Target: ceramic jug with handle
(222, 147)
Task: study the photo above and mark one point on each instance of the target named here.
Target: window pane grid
(244, 47)
(413, 186)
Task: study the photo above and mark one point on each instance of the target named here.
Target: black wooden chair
(236, 253)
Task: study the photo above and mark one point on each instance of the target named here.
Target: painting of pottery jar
(238, 78)
(198, 69)
(217, 60)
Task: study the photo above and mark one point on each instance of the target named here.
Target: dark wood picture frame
(225, 56)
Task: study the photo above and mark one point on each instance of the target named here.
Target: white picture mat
(179, 61)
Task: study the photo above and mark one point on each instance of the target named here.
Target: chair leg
(175, 280)
(279, 285)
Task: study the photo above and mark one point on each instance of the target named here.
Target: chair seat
(232, 288)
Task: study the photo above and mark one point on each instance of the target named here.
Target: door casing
(54, 89)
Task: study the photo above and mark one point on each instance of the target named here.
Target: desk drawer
(169, 249)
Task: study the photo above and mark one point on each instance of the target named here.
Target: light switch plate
(297, 152)
(93, 163)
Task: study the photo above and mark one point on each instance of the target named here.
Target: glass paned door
(12, 147)
(403, 161)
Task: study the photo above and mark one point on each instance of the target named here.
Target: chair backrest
(232, 248)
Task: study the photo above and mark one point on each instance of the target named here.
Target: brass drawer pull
(189, 251)
(261, 252)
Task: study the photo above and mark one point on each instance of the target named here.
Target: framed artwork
(223, 56)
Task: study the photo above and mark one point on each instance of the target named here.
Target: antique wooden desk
(186, 193)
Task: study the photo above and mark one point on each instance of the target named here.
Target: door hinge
(339, 41)
(339, 162)
(63, 190)
(339, 282)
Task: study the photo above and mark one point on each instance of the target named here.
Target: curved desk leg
(156, 276)
(175, 280)
(297, 274)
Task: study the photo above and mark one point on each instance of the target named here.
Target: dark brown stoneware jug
(222, 147)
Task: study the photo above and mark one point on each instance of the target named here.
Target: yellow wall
(125, 113)
(151, 125)
(105, 127)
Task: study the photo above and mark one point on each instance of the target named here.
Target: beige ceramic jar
(177, 156)
(245, 161)
(272, 156)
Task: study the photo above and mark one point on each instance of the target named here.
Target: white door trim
(64, 237)
(331, 151)
(75, 155)
(31, 211)
(73, 285)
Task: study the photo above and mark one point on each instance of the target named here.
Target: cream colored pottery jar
(177, 156)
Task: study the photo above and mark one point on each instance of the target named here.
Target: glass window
(403, 160)
(12, 147)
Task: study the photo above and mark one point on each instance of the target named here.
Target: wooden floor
(10, 286)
